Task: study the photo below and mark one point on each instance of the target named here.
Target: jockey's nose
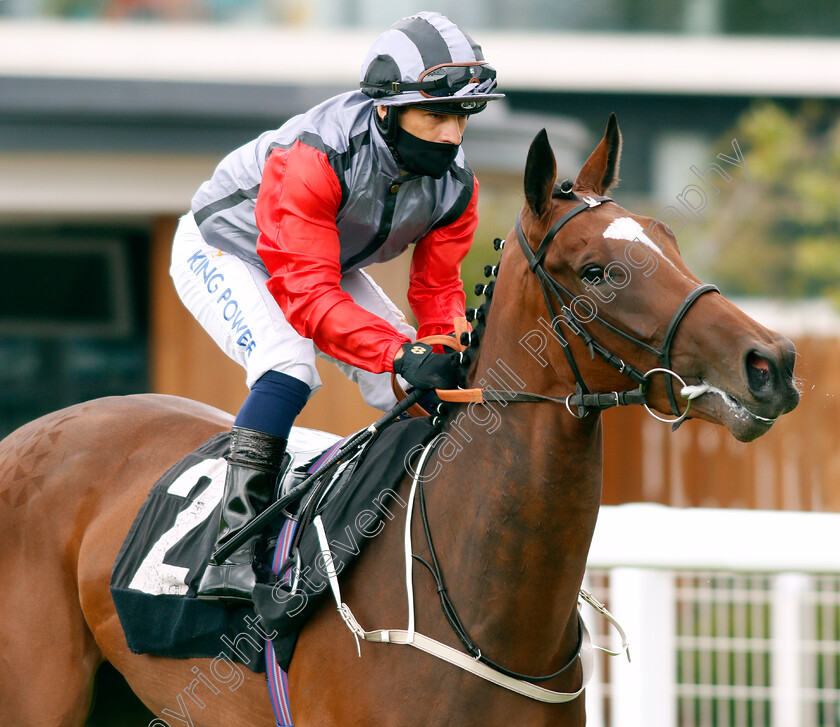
(451, 131)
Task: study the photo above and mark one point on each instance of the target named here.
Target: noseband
(583, 399)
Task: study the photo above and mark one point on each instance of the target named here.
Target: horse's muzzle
(768, 372)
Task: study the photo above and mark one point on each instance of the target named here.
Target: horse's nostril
(758, 372)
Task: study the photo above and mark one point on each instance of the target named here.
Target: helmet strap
(389, 128)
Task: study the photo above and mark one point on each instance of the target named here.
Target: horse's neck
(523, 493)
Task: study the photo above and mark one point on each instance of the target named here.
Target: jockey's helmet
(426, 60)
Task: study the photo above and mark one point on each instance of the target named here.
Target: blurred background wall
(113, 112)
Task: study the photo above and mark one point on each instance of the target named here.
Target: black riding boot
(253, 464)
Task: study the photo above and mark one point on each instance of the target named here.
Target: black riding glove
(423, 368)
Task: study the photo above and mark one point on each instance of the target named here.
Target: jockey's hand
(421, 367)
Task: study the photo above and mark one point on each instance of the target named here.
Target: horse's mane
(478, 316)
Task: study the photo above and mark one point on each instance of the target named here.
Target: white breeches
(230, 300)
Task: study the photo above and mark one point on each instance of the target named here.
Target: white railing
(733, 618)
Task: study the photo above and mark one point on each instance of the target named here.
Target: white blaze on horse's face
(626, 228)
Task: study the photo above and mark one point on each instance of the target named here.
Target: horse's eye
(593, 274)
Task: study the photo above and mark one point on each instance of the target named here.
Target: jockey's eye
(593, 274)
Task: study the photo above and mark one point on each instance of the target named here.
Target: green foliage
(776, 232)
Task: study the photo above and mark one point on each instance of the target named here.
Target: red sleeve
(296, 210)
(435, 292)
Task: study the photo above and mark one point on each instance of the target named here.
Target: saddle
(159, 566)
(306, 451)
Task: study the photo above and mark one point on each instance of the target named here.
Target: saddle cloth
(162, 559)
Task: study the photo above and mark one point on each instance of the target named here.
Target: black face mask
(429, 158)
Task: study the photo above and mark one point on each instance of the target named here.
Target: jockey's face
(430, 126)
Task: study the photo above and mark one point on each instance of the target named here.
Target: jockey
(270, 258)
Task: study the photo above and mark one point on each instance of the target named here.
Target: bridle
(584, 400)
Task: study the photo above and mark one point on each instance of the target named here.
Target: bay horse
(512, 507)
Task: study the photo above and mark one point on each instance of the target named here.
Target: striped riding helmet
(426, 60)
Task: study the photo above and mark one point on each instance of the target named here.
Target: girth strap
(468, 663)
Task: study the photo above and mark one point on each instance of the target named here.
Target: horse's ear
(601, 169)
(540, 174)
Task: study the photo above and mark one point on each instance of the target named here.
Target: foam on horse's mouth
(739, 410)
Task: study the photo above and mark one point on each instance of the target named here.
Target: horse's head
(619, 278)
